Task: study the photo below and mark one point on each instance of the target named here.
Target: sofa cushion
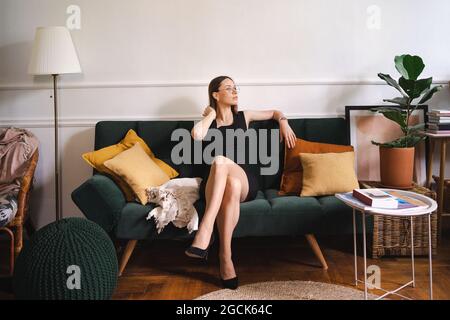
(158, 135)
(139, 171)
(290, 203)
(328, 173)
(97, 159)
(254, 217)
(292, 178)
(326, 130)
(133, 223)
(293, 215)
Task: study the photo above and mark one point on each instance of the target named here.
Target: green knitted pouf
(67, 260)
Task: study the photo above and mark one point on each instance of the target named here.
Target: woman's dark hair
(214, 87)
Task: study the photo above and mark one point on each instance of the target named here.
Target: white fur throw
(176, 200)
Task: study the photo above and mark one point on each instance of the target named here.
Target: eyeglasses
(231, 89)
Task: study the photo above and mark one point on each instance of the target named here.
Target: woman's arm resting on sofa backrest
(100, 200)
(286, 131)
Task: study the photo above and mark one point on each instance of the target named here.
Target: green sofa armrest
(100, 200)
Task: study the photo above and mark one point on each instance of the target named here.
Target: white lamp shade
(53, 52)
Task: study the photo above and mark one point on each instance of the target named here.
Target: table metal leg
(430, 254)
(365, 254)
(410, 283)
(412, 254)
(354, 248)
(441, 185)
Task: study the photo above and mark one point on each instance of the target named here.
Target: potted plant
(397, 157)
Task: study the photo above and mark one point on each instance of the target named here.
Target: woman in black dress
(227, 183)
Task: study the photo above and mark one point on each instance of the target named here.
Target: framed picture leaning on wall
(365, 126)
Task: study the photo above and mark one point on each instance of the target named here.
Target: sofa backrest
(157, 134)
(325, 130)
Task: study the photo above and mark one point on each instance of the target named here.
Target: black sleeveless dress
(238, 123)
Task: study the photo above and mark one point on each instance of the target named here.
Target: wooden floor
(160, 270)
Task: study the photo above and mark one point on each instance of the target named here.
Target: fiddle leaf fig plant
(410, 88)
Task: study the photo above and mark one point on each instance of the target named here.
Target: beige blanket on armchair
(16, 148)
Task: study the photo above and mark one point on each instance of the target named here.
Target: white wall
(145, 59)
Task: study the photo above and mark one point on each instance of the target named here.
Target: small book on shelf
(438, 120)
(441, 126)
(437, 132)
(439, 112)
(376, 198)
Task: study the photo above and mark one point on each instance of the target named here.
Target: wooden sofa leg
(316, 249)
(126, 255)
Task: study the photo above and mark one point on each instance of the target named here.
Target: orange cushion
(291, 180)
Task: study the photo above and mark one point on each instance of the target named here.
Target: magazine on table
(405, 202)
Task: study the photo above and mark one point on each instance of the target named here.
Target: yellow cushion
(171, 172)
(97, 158)
(328, 173)
(138, 170)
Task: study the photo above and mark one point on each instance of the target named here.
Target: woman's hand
(287, 134)
(200, 129)
(209, 110)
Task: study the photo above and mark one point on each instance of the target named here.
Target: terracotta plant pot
(396, 167)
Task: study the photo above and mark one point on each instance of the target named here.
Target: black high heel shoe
(232, 283)
(198, 253)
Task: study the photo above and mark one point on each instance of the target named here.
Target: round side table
(365, 211)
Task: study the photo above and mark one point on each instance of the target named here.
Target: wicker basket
(392, 236)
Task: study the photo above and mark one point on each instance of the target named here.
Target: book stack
(438, 121)
(384, 200)
(376, 198)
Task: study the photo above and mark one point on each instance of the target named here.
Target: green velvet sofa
(101, 201)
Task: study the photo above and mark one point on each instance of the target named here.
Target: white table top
(432, 205)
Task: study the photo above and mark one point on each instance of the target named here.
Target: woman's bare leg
(227, 220)
(214, 190)
(221, 168)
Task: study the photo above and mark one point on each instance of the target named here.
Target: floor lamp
(70, 248)
(54, 54)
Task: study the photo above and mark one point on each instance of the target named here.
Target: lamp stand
(55, 103)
